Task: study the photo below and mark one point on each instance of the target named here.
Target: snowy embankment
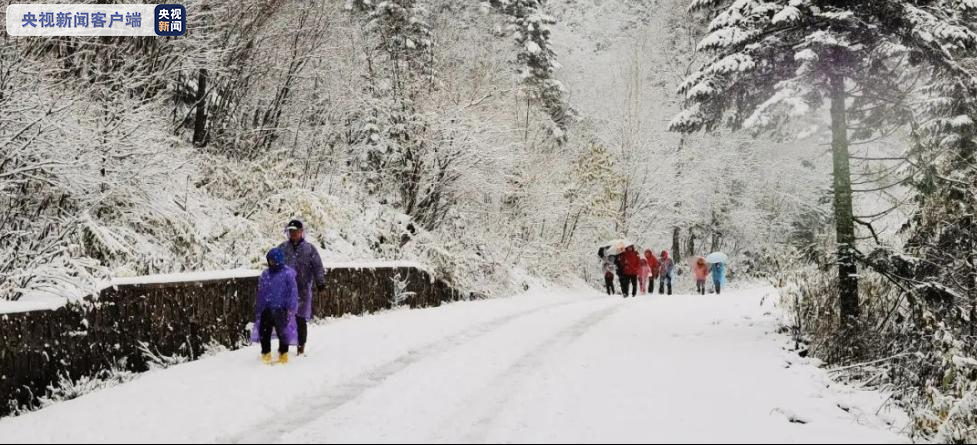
(551, 365)
(39, 301)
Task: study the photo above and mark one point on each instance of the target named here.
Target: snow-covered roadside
(551, 365)
(215, 397)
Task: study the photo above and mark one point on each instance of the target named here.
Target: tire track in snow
(504, 387)
(319, 405)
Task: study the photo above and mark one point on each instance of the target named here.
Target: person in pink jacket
(643, 275)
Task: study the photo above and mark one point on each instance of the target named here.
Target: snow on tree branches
(536, 59)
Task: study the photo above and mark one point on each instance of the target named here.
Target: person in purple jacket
(304, 258)
(275, 308)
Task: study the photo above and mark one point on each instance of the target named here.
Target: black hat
(294, 225)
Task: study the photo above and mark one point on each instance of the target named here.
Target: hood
(276, 259)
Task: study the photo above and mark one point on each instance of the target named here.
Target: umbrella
(717, 257)
(615, 247)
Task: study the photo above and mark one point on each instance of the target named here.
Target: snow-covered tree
(396, 132)
(537, 61)
(778, 60)
(937, 274)
(592, 192)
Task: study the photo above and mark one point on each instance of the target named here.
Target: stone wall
(177, 318)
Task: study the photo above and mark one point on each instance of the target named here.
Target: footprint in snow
(791, 416)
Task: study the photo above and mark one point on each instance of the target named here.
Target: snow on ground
(551, 365)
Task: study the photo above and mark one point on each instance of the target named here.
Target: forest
(827, 146)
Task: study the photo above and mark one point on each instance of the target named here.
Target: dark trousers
(700, 286)
(277, 320)
(303, 327)
(665, 280)
(651, 284)
(718, 284)
(624, 284)
(609, 284)
(630, 282)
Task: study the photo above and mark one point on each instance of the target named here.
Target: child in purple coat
(278, 301)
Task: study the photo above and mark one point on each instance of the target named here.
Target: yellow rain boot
(283, 359)
(266, 359)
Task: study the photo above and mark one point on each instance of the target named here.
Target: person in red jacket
(654, 265)
(632, 267)
(701, 271)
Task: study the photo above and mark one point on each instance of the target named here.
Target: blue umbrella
(717, 257)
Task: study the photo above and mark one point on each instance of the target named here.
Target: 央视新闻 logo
(170, 20)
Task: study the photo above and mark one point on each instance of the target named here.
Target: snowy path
(549, 366)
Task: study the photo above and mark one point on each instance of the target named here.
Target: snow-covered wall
(177, 315)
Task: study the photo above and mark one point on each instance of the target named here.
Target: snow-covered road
(556, 365)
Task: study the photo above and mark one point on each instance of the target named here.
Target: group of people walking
(635, 272)
(295, 269)
(284, 303)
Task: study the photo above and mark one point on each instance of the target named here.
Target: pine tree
(777, 60)
(536, 60)
(942, 229)
(938, 269)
